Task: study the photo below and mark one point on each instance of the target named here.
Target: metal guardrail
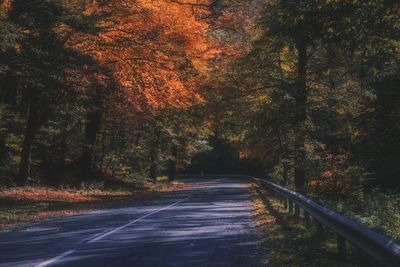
(377, 246)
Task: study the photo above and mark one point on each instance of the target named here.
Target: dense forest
(304, 92)
(99, 89)
(315, 100)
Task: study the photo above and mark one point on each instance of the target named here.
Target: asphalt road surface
(210, 224)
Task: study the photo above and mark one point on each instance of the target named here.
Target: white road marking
(132, 222)
(39, 229)
(59, 257)
(97, 237)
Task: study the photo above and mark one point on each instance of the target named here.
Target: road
(210, 224)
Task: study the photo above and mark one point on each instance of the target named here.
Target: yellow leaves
(263, 99)
(286, 67)
(357, 133)
(26, 31)
(17, 47)
(286, 61)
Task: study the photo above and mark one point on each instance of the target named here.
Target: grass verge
(287, 242)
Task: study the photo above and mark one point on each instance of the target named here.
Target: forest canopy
(304, 92)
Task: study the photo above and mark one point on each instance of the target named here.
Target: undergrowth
(379, 210)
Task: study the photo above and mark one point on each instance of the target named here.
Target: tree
(309, 103)
(41, 62)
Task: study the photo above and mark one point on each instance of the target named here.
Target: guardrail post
(297, 210)
(275, 194)
(290, 206)
(341, 247)
(319, 227)
(307, 219)
(285, 203)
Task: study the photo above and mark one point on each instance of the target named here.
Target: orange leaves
(41, 194)
(183, 27)
(245, 154)
(4, 6)
(327, 174)
(156, 50)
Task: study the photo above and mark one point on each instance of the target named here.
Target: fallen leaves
(20, 206)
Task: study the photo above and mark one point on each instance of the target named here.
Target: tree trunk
(3, 150)
(30, 134)
(301, 102)
(153, 172)
(172, 163)
(93, 122)
(59, 178)
(285, 173)
(154, 155)
(8, 90)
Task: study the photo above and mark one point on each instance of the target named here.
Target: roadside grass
(19, 206)
(287, 242)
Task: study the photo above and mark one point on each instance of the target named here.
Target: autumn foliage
(156, 51)
(110, 84)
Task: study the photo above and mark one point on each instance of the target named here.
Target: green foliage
(351, 131)
(11, 136)
(378, 210)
